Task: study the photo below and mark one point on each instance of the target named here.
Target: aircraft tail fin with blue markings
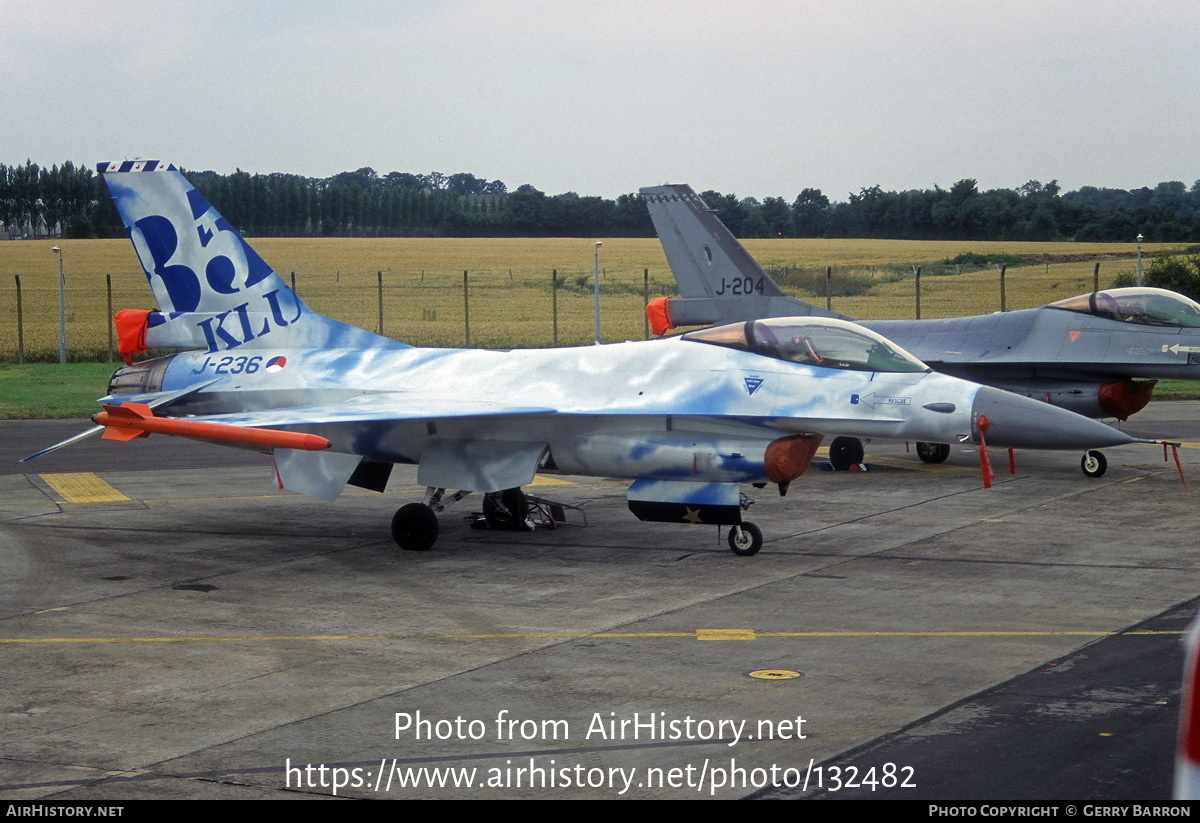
(213, 290)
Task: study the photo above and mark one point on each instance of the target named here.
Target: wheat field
(413, 288)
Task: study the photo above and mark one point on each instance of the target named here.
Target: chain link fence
(526, 308)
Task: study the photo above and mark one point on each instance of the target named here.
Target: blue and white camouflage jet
(1097, 354)
(688, 420)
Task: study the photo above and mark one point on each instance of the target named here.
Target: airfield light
(1140, 238)
(62, 308)
(596, 284)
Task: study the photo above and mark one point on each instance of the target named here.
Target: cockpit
(1143, 306)
(813, 341)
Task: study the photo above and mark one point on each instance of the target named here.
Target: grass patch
(44, 390)
(49, 390)
(1177, 390)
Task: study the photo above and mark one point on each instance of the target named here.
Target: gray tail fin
(718, 279)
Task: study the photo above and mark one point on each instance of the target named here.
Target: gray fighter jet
(1097, 354)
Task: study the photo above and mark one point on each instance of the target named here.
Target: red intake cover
(789, 457)
(1126, 397)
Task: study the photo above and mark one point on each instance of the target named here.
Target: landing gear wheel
(745, 540)
(933, 452)
(1094, 463)
(845, 452)
(415, 527)
(517, 510)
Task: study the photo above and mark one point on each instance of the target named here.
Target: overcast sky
(752, 97)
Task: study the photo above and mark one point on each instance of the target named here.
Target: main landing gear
(845, 452)
(933, 452)
(415, 526)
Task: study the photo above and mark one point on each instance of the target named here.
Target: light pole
(62, 308)
(1140, 239)
(596, 282)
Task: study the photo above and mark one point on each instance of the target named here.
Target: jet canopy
(1144, 306)
(813, 341)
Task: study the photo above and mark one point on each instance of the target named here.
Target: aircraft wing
(377, 408)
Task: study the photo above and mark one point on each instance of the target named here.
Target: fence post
(829, 288)
(379, 277)
(466, 311)
(20, 323)
(646, 301)
(294, 281)
(917, 272)
(1003, 298)
(554, 301)
(1096, 276)
(109, 324)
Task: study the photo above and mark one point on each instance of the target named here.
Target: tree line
(72, 201)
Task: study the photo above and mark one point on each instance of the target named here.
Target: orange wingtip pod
(130, 420)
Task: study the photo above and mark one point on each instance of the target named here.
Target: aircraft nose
(1021, 423)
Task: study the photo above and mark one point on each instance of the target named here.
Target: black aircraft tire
(845, 452)
(933, 452)
(747, 542)
(415, 527)
(518, 509)
(1094, 463)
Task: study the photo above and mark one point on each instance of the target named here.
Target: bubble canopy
(1144, 306)
(813, 341)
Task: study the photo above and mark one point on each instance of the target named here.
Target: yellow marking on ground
(83, 487)
(700, 634)
(543, 480)
(774, 674)
(725, 634)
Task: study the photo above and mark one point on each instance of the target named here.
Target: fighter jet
(1096, 354)
(688, 420)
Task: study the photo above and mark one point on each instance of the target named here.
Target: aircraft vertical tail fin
(702, 252)
(213, 290)
(718, 279)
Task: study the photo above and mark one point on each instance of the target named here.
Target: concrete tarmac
(174, 627)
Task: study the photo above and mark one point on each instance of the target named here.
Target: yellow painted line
(701, 634)
(83, 487)
(725, 634)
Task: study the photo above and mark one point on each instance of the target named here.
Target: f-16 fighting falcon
(687, 420)
(1096, 354)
